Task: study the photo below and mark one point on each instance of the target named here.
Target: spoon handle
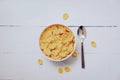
(82, 55)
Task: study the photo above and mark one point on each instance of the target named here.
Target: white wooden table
(20, 28)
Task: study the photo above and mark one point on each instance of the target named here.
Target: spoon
(81, 32)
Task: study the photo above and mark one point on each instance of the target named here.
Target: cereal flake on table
(93, 44)
(67, 69)
(75, 54)
(65, 16)
(40, 61)
(60, 70)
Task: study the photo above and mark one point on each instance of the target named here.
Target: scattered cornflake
(75, 54)
(93, 43)
(40, 61)
(65, 16)
(67, 69)
(60, 70)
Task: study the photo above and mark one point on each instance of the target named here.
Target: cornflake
(65, 16)
(93, 43)
(67, 69)
(60, 70)
(75, 54)
(40, 61)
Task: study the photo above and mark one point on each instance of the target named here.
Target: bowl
(57, 42)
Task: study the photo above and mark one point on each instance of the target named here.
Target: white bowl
(68, 54)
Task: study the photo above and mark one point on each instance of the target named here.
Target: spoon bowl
(81, 33)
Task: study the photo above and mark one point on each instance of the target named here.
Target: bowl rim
(68, 56)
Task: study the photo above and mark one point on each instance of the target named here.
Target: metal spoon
(81, 32)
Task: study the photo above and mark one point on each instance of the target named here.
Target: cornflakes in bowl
(57, 42)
